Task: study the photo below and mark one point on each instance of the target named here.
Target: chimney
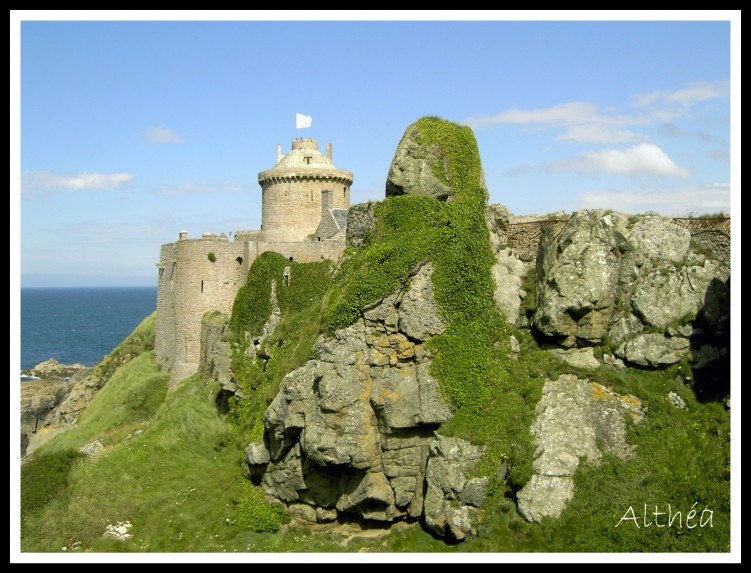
(327, 200)
(278, 152)
(328, 152)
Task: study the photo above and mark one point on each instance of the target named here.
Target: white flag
(302, 120)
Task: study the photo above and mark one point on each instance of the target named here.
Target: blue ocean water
(79, 324)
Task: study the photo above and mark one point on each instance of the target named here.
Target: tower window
(239, 260)
(201, 286)
(307, 159)
(344, 191)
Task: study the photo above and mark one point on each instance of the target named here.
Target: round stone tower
(292, 191)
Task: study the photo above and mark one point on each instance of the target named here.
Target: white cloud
(721, 154)
(39, 183)
(681, 201)
(586, 122)
(561, 114)
(641, 159)
(161, 134)
(685, 96)
(199, 187)
(581, 121)
(599, 133)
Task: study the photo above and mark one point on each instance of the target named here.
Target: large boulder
(452, 498)
(412, 168)
(426, 163)
(578, 273)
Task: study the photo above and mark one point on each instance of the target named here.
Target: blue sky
(133, 130)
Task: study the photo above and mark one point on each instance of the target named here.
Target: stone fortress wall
(304, 216)
(190, 284)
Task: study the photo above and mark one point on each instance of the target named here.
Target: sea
(79, 325)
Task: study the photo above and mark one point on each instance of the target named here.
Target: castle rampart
(200, 275)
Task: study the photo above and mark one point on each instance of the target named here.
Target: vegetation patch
(254, 512)
(124, 405)
(139, 341)
(46, 478)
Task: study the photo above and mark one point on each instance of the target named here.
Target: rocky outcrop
(411, 169)
(48, 387)
(360, 222)
(633, 282)
(415, 163)
(216, 353)
(352, 433)
(38, 399)
(573, 416)
(514, 240)
(52, 369)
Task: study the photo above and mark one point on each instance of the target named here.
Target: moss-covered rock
(435, 158)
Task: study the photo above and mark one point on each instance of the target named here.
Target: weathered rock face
(579, 275)
(412, 169)
(572, 416)
(216, 353)
(38, 399)
(353, 432)
(51, 368)
(631, 281)
(515, 240)
(45, 401)
(360, 221)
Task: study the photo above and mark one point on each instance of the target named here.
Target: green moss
(407, 229)
(211, 256)
(252, 306)
(529, 286)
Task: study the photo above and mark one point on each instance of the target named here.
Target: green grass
(139, 341)
(123, 406)
(46, 478)
(180, 481)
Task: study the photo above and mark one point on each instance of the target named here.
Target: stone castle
(305, 202)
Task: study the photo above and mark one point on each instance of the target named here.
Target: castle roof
(305, 161)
